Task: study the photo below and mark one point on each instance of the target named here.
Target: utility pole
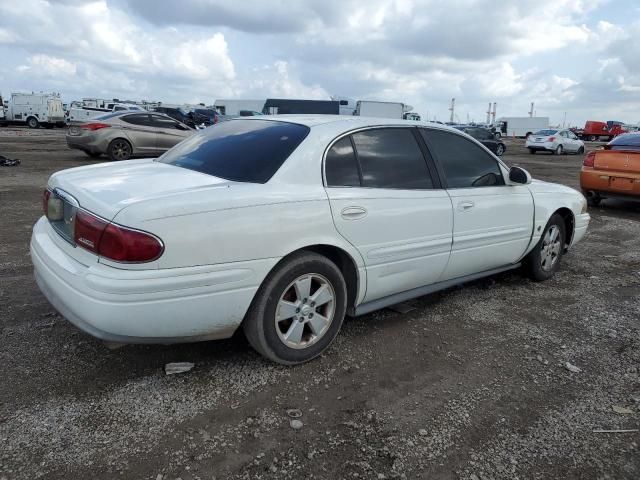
(564, 120)
(452, 109)
(493, 115)
(531, 111)
(489, 114)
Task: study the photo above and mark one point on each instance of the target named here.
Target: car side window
(137, 119)
(391, 158)
(341, 167)
(163, 122)
(563, 134)
(465, 164)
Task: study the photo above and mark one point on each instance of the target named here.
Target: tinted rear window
(629, 141)
(546, 133)
(239, 150)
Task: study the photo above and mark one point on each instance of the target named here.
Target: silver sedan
(124, 135)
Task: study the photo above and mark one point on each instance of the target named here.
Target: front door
(141, 133)
(385, 202)
(492, 221)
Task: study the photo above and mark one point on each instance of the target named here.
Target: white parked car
(283, 225)
(554, 141)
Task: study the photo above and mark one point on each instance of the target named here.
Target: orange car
(614, 171)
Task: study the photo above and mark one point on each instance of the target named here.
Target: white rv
(520, 126)
(235, 107)
(35, 109)
(369, 108)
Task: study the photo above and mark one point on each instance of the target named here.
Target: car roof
(345, 122)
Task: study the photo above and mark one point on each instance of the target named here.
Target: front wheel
(559, 150)
(298, 310)
(580, 151)
(544, 260)
(33, 122)
(499, 150)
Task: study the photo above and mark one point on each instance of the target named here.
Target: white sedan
(555, 141)
(282, 225)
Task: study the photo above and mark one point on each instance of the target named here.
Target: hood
(107, 188)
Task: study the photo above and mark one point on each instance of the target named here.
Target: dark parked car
(485, 137)
(177, 114)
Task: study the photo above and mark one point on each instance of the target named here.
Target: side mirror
(519, 175)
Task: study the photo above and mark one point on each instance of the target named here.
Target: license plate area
(61, 213)
(622, 184)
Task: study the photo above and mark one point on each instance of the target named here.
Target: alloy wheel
(305, 311)
(121, 150)
(550, 250)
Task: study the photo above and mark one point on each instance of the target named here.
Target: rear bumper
(540, 147)
(610, 183)
(145, 306)
(86, 143)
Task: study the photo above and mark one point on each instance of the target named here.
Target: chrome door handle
(353, 213)
(462, 206)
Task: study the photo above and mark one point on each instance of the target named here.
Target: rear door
(168, 131)
(387, 202)
(493, 222)
(140, 132)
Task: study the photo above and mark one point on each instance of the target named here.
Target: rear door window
(465, 163)
(164, 122)
(137, 119)
(391, 158)
(239, 150)
(341, 167)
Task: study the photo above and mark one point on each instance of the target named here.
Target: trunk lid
(105, 189)
(617, 160)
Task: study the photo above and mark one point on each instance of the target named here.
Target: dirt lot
(470, 384)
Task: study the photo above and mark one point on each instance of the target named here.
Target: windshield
(546, 133)
(240, 150)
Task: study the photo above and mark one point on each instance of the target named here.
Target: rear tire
(500, 150)
(32, 122)
(544, 260)
(581, 151)
(594, 200)
(284, 323)
(119, 149)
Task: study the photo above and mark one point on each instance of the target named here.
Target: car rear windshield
(239, 150)
(628, 141)
(546, 132)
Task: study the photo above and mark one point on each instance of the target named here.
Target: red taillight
(45, 201)
(124, 245)
(94, 126)
(88, 231)
(113, 241)
(551, 139)
(590, 159)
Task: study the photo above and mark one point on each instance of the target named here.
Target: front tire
(559, 150)
(544, 260)
(298, 310)
(32, 122)
(119, 149)
(500, 150)
(581, 151)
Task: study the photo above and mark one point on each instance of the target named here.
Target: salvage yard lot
(469, 384)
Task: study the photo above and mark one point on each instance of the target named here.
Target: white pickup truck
(81, 114)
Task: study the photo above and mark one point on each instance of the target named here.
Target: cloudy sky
(573, 56)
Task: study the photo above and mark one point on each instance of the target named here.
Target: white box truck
(520, 126)
(235, 107)
(369, 108)
(35, 109)
(3, 117)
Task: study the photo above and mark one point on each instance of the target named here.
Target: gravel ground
(472, 383)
